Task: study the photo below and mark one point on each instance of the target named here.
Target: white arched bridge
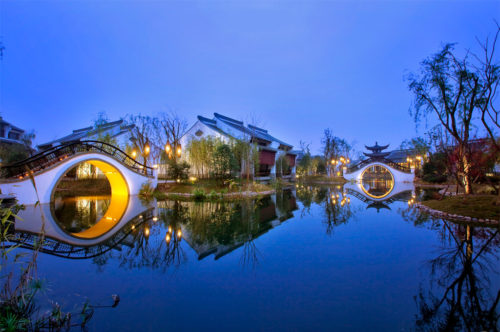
(379, 167)
(396, 171)
(35, 179)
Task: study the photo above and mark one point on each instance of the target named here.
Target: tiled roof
(2, 121)
(400, 156)
(250, 130)
(79, 134)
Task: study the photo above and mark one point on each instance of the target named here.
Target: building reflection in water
(458, 295)
(218, 228)
(152, 236)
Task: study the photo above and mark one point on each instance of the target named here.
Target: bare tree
(172, 129)
(144, 133)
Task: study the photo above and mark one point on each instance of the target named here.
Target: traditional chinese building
(228, 129)
(119, 131)
(403, 157)
(10, 134)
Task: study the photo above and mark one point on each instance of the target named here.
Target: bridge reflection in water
(86, 227)
(450, 281)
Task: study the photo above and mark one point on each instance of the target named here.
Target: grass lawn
(321, 179)
(87, 187)
(211, 185)
(476, 206)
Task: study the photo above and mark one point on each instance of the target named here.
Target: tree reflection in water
(76, 214)
(209, 228)
(336, 204)
(465, 300)
(149, 248)
(218, 228)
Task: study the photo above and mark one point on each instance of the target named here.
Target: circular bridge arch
(118, 202)
(124, 180)
(117, 182)
(370, 193)
(397, 175)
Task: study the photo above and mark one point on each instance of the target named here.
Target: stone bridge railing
(388, 162)
(56, 155)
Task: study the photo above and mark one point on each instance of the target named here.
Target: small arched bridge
(35, 179)
(399, 173)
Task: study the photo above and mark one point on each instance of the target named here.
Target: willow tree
(451, 89)
(334, 148)
(282, 165)
(304, 167)
(489, 72)
(199, 153)
(247, 155)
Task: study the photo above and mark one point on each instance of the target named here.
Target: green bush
(199, 194)
(159, 195)
(435, 178)
(177, 170)
(146, 191)
(213, 196)
(223, 162)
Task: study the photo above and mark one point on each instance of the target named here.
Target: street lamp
(178, 151)
(168, 149)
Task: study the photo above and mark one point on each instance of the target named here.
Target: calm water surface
(311, 258)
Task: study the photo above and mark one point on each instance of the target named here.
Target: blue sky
(297, 67)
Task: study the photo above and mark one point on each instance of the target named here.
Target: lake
(353, 257)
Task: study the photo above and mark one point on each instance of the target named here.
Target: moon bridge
(34, 179)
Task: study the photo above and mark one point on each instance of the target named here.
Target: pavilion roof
(377, 147)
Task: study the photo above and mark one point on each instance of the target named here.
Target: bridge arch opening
(377, 181)
(116, 205)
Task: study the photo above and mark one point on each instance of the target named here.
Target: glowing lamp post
(145, 154)
(168, 149)
(178, 151)
(173, 151)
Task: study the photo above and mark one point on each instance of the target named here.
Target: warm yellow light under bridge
(117, 206)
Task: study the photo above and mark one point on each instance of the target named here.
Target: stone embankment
(455, 217)
(238, 194)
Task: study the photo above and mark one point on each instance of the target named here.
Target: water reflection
(460, 296)
(334, 200)
(209, 228)
(218, 228)
(76, 214)
(455, 292)
(150, 234)
(398, 192)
